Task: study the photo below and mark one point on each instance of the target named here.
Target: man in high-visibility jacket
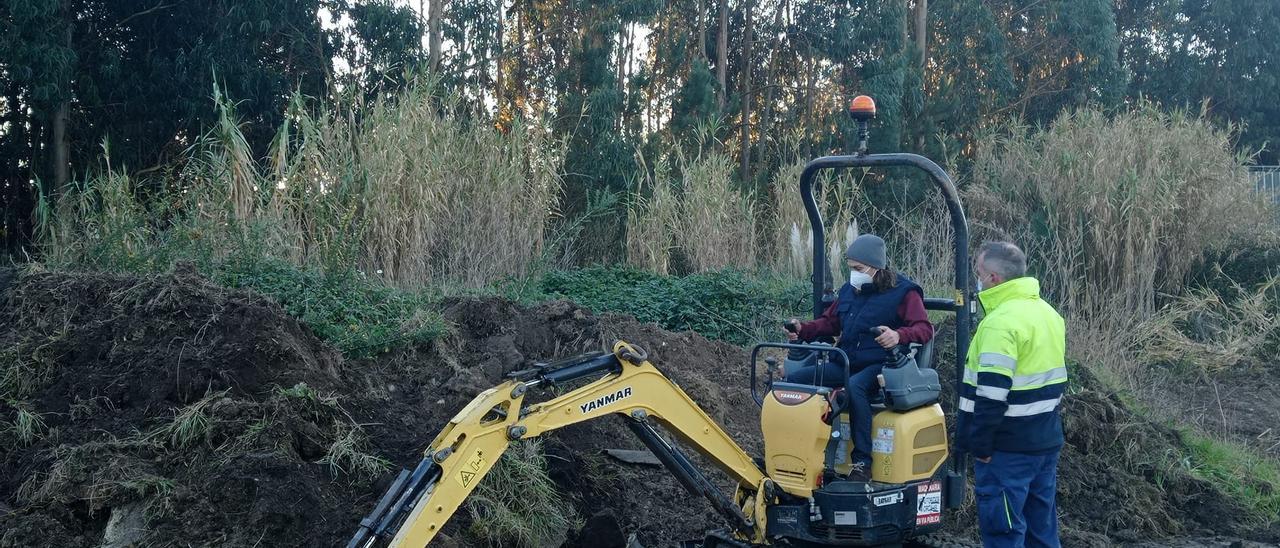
(1014, 380)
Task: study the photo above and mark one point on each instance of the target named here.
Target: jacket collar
(1018, 288)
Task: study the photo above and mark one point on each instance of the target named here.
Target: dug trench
(166, 411)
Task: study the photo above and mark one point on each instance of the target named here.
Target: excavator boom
(418, 503)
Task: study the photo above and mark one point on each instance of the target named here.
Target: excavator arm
(418, 503)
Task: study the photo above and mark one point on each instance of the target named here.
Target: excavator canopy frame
(961, 304)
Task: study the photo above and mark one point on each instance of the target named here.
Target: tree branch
(158, 7)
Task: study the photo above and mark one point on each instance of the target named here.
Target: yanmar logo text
(606, 400)
(788, 397)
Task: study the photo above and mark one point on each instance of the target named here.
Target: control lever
(894, 354)
(771, 363)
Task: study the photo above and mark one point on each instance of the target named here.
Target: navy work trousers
(1017, 506)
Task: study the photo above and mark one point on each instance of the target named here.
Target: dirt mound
(120, 391)
(168, 411)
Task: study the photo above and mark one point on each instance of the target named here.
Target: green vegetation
(28, 426)
(1247, 477)
(191, 424)
(359, 315)
(730, 305)
(517, 503)
(546, 139)
(348, 453)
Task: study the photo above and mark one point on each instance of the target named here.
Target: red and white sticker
(929, 503)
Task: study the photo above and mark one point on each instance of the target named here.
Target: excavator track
(722, 539)
(938, 540)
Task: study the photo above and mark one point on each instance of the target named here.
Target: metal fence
(1267, 179)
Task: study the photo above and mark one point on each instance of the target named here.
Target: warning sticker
(883, 442)
(465, 477)
(470, 469)
(929, 503)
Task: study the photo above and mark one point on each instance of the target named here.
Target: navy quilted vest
(860, 311)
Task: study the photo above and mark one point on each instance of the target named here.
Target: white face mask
(858, 279)
(979, 282)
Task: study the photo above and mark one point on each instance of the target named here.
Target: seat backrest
(924, 355)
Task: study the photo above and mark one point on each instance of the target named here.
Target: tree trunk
(61, 146)
(499, 93)
(747, 63)
(621, 70)
(624, 36)
(904, 26)
(61, 143)
(811, 82)
(433, 24)
(701, 21)
(922, 12)
(922, 44)
(722, 54)
(771, 78)
(522, 71)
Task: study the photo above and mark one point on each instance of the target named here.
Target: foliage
(1183, 53)
(730, 305)
(1212, 331)
(359, 315)
(385, 45)
(137, 73)
(1247, 477)
(517, 504)
(608, 78)
(1114, 209)
(432, 198)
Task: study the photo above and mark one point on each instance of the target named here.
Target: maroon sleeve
(828, 324)
(915, 321)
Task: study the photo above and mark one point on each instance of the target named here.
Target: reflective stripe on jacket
(1015, 373)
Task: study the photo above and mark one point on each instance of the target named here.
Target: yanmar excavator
(798, 492)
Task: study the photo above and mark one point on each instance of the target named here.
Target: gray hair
(1004, 259)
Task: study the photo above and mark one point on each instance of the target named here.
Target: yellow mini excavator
(799, 492)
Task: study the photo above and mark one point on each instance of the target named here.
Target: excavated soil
(1237, 404)
(175, 412)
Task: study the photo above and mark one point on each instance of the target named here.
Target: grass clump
(28, 426)
(305, 393)
(409, 187)
(1247, 477)
(1214, 331)
(348, 454)
(517, 504)
(689, 211)
(191, 424)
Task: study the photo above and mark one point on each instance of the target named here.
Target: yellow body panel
(908, 446)
(795, 438)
